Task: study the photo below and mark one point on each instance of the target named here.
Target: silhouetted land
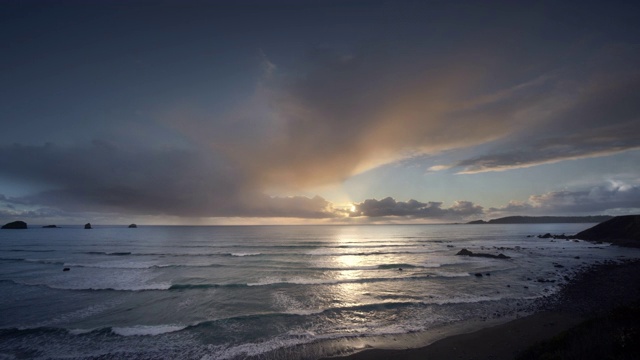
(15, 225)
(544, 220)
(621, 230)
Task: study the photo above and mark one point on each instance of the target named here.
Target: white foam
(465, 300)
(114, 265)
(290, 305)
(79, 331)
(157, 286)
(147, 330)
(451, 274)
(295, 281)
(245, 254)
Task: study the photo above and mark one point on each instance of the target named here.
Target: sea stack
(133, 226)
(87, 226)
(15, 225)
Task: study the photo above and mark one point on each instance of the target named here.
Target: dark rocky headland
(621, 230)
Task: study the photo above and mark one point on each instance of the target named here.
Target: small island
(15, 225)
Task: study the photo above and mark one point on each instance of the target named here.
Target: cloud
(596, 199)
(436, 168)
(513, 207)
(340, 114)
(595, 114)
(508, 98)
(414, 209)
(613, 197)
(103, 177)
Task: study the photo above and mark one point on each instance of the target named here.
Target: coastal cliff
(621, 230)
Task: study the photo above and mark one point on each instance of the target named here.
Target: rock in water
(87, 226)
(49, 227)
(133, 226)
(465, 252)
(15, 225)
(621, 230)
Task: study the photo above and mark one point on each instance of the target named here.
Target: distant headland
(544, 220)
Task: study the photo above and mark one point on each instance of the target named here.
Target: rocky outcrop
(49, 227)
(15, 225)
(556, 236)
(621, 230)
(465, 252)
(133, 226)
(477, 222)
(87, 226)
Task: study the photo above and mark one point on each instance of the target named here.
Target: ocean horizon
(271, 291)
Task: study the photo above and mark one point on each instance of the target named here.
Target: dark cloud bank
(104, 178)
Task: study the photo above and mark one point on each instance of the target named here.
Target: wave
(137, 330)
(148, 265)
(269, 281)
(45, 261)
(24, 250)
(141, 287)
(397, 266)
(370, 253)
(314, 281)
(117, 253)
(315, 252)
(147, 330)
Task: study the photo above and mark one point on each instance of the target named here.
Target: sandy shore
(593, 292)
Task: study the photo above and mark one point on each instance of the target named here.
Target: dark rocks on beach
(556, 236)
(541, 280)
(87, 226)
(465, 252)
(49, 227)
(478, 274)
(621, 230)
(133, 226)
(66, 269)
(15, 225)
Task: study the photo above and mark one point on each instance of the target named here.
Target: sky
(317, 112)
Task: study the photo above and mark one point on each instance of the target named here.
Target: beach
(593, 293)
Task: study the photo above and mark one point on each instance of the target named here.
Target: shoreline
(595, 291)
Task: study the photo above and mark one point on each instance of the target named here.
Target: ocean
(270, 292)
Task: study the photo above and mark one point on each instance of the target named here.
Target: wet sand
(595, 291)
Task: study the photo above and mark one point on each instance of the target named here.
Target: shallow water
(266, 291)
